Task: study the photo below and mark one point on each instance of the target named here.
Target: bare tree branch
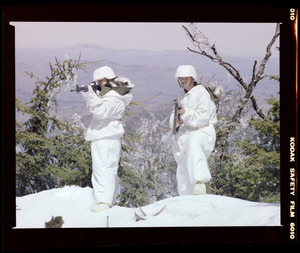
(256, 77)
(268, 52)
(253, 71)
(202, 45)
(256, 108)
(218, 59)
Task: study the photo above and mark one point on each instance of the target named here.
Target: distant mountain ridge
(152, 72)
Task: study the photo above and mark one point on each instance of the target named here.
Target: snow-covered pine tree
(148, 173)
(50, 152)
(252, 170)
(203, 47)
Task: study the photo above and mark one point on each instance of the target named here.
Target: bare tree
(203, 47)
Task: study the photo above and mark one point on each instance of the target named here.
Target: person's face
(102, 82)
(186, 82)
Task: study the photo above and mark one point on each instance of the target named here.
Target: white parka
(105, 132)
(195, 140)
(107, 111)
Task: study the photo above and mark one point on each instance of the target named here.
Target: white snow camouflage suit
(195, 140)
(105, 132)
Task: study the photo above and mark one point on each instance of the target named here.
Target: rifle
(122, 90)
(85, 88)
(81, 88)
(176, 116)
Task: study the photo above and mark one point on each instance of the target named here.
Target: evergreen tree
(252, 171)
(205, 48)
(147, 171)
(50, 152)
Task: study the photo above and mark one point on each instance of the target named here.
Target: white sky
(242, 39)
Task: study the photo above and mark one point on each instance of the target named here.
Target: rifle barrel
(175, 116)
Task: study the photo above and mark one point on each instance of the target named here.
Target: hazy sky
(232, 38)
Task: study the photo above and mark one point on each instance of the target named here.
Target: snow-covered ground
(73, 204)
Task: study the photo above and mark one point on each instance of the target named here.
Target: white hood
(107, 111)
(122, 82)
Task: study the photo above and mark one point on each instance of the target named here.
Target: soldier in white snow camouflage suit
(106, 99)
(195, 139)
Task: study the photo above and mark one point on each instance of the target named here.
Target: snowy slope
(73, 204)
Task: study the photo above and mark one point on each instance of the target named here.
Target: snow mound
(73, 204)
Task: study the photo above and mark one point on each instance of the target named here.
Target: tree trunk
(203, 48)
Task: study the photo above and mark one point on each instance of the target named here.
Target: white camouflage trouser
(191, 150)
(105, 156)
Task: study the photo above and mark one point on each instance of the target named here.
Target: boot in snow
(199, 188)
(99, 207)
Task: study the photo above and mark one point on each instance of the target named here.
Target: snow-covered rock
(73, 204)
